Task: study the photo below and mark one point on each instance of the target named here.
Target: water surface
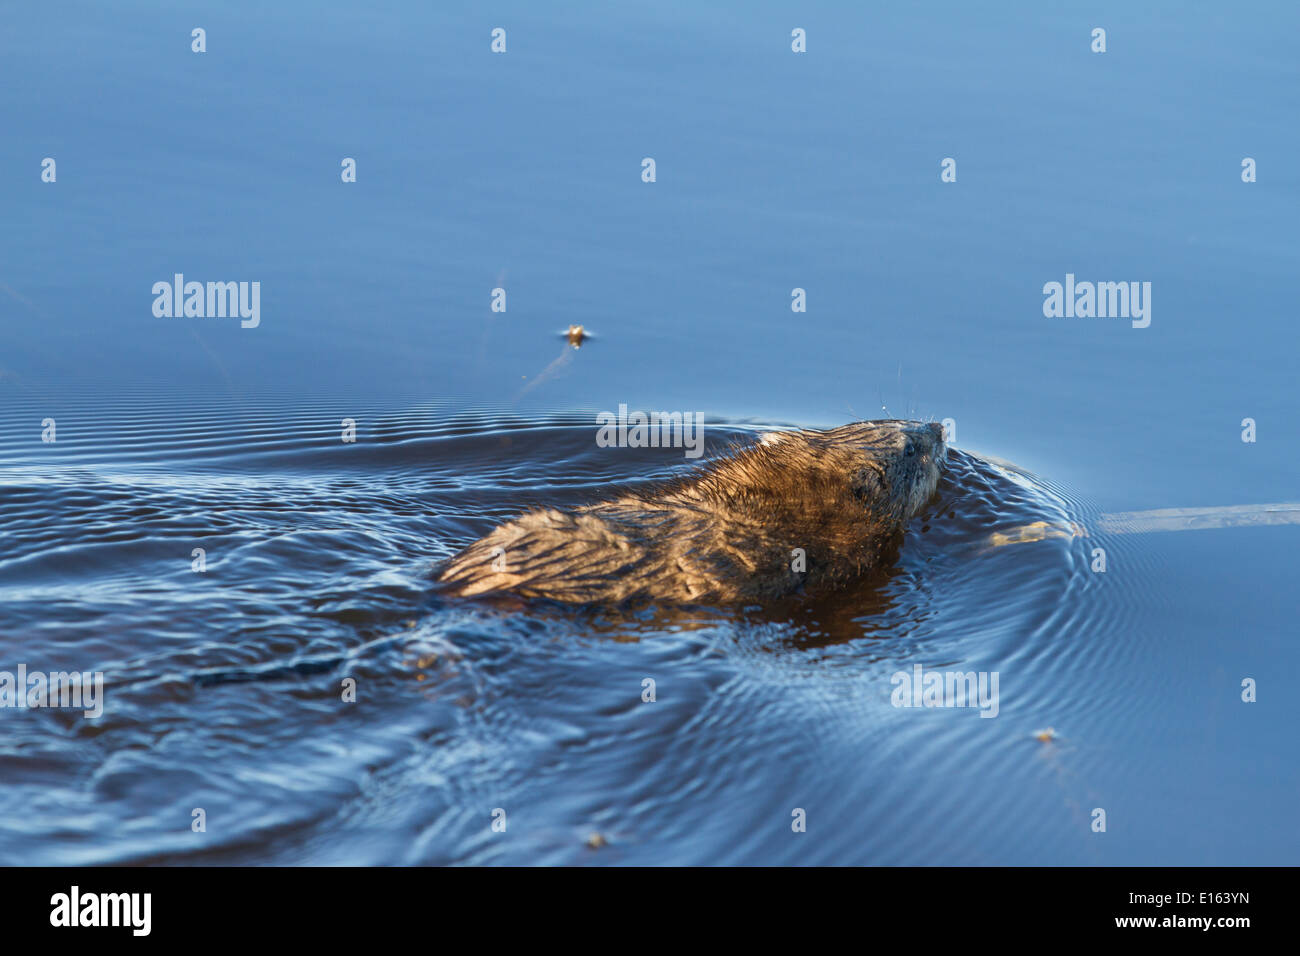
(522, 171)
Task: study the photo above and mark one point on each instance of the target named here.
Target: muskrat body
(728, 532)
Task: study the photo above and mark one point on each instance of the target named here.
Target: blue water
(522, 171)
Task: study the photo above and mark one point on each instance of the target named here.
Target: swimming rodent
(727, 532)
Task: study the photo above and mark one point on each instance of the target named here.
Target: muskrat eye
(910, 450)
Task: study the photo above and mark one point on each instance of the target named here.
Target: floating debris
(1195, 519)
(1036, 531)
(1046, 735)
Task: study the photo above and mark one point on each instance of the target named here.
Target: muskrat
(727, 532)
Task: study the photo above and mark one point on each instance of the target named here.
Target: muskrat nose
(937, 429)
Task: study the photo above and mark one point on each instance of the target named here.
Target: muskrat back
(727, 532)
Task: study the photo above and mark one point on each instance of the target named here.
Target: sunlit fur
(726, 532)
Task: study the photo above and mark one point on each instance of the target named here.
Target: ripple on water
(224, 687)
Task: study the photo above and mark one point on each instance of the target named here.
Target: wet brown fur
(724, 533)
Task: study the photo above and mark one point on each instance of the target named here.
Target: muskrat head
(900, 462)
